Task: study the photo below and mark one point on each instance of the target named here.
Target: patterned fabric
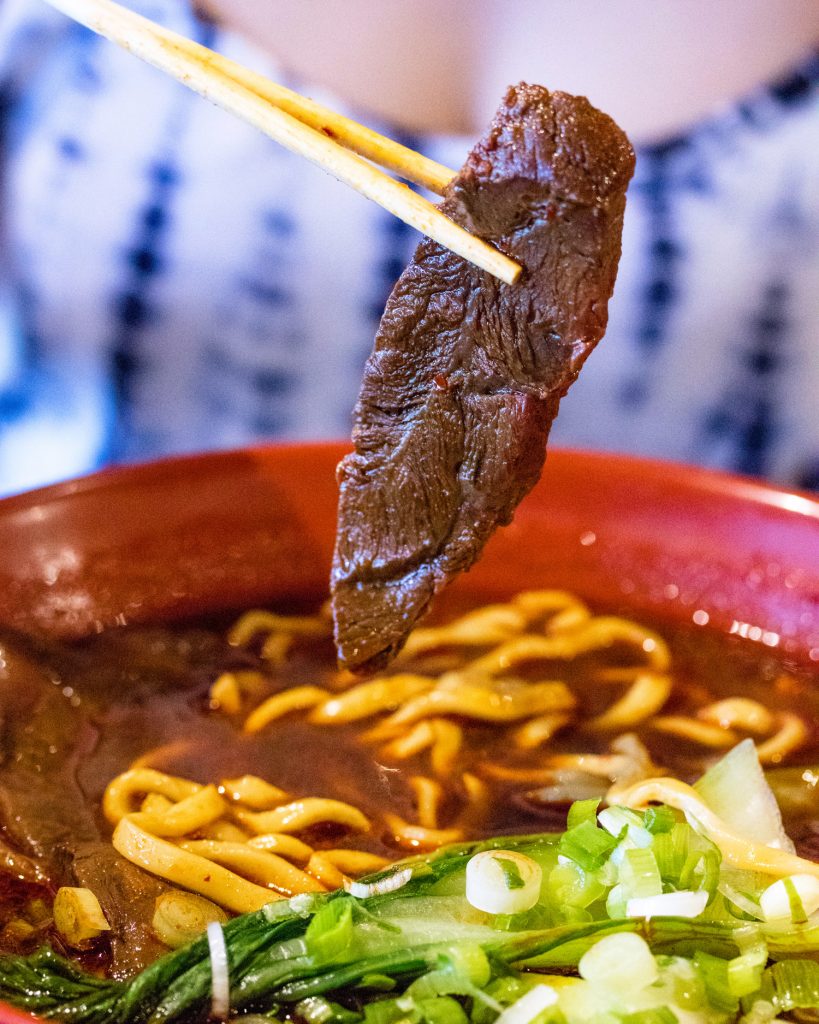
(172, 281)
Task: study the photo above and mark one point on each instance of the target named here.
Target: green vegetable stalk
(423, 955)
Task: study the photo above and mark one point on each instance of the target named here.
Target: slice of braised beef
(45, 813)
(467, 373)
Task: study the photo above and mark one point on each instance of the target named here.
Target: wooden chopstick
(406, 162)
(304, 127)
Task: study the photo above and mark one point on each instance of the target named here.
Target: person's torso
(180, 282)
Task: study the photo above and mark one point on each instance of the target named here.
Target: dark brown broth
(135, 690)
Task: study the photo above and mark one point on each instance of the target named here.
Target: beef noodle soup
(239, 764)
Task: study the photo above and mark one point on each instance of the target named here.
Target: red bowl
(209, 533)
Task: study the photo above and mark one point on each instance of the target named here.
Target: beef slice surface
(44, 812)
(466, 375)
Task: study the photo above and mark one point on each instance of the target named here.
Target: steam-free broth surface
(76, 717)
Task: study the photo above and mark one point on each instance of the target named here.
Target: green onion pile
(627, 917)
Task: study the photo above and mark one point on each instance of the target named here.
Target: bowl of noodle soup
(634, 616)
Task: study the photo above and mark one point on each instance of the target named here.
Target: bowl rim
(697, 480)
(702, 478)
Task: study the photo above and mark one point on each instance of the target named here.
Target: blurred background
(171, 281)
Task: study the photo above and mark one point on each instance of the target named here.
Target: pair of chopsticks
(333, 142)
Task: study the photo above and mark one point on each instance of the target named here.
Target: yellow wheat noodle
(259, 866)
(299, 698)
(256, 621)
(355, 862)
(563, 609)
(166, 752)
(736, 850)
(497, 700)
(303, 814)
(194, 835)
(428, 796)
(251, 791)
(415, 837)
(791, 735)
(224, 831)
(695, 731)
(477, 801)
(417, 739)
(192, 814)
(483, 627)
(442, 737)
(188, 870)
(371, 698)
(228, 692)
(286, 846)
(540, 730)
(644, 698)
(325, 872)
(739, 713)
(712, 727)
(155, 803)
(127, 791)
(448, 740)
(592, 635)
(495, 623)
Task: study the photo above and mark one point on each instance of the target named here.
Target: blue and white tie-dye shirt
(172, 281)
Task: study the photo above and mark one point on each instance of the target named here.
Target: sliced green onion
(463, 970)
(639, 874)
(390, 1011)
(714, 973)
(745, 974)
(791, 985)
(441, 983)
(577, 915)
(686, 859)
(685, 903)
(797, 908)
(617, 820)
(654, 1015)
(659, 819)
(582, 810)
(315, 1010)
(570, 885)
(793, 898)
(620, 963)
(530, 1006)
(616, 902)
(318, 1010)
(442, 1010)
(503, 882)
(670, 850)
(587, 845)
(330, 932)
(469, 961)
(710, 866)
(761, 1012)
(511, 873)
(536, 919)
(685, 983)
(502, 992)
(743, 901)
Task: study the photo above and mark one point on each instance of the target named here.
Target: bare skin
(440, 65)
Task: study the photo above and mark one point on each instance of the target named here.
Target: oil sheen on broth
(498, 724)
